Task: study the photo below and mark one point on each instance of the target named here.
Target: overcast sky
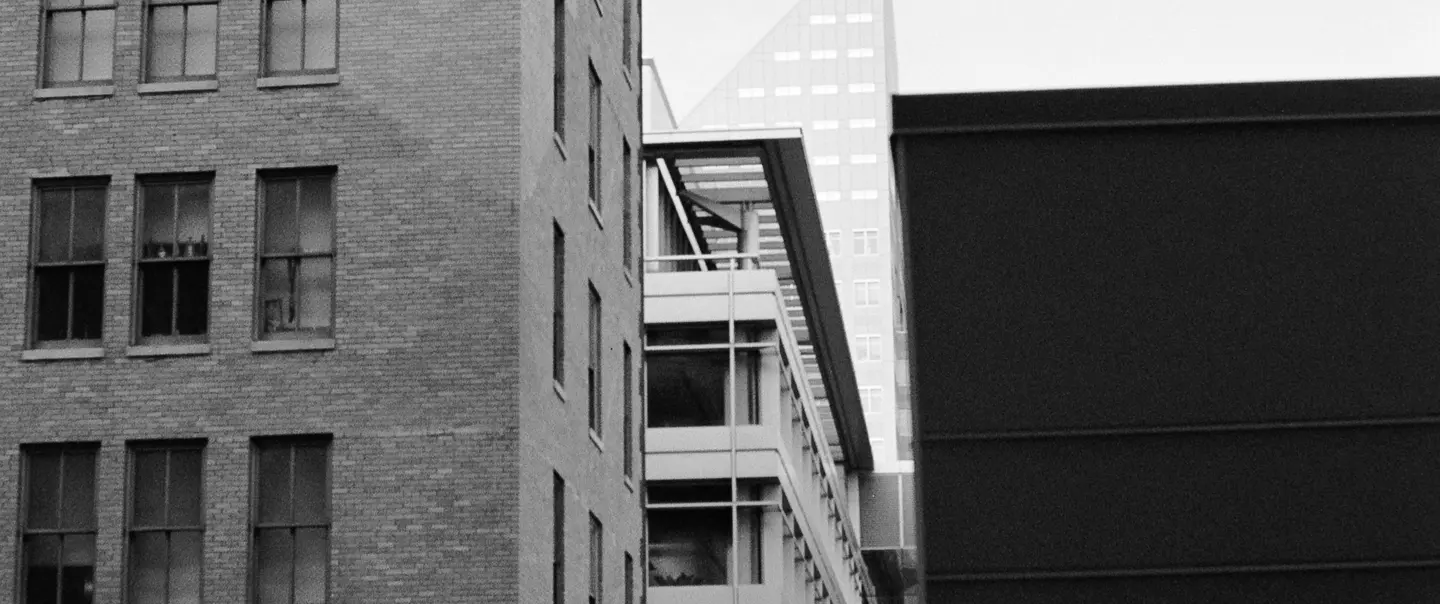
(969, 45)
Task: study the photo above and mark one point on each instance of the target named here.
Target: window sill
(292, 345)
(629, 83)
(595, 438)
(164, 87)
(61, 354)
(317, 79)
(630, 484)
(166, 350)
(559, 145)
(595, 212)
(628, 278)
(74, 92)
(560, 391)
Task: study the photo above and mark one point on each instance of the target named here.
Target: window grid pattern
(290, 522)
(181, 39)
(173, 263)
(57, 525)
(297, 255)
(867, 242)
(867, 292)
(301, 37)
(166, 524)
(79, 42)
(867, 348)
(68, 264)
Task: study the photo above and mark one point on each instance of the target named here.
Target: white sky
(970, 45)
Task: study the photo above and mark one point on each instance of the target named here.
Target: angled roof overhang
(715, 168)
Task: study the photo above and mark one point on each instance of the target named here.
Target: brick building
(318, 303)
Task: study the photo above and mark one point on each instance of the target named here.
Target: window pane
(273, 566)
(62, 47)
(316, 287)
(147, 568)
(283, 53)
(77, 578)
(99, 41)
(280, 220)
(89, 227)
(42, 561)
(185, 556)
(148, 508)
(185, 477)
(54, 225)
(689, 547)
(43, 491)
(77, 509)
(200, 40)
(167, 41)
(311, 491)
(320, 18)
(156, 299)
(191, 310)
(159, 215)
(52, 303)
(194, 201)
(273, 475)
(276, 284)
(312, 551)
(316, 215)
(89, 303)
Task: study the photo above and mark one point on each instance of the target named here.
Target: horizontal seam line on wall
(1158, 122)
(1182, 571)
(1059, 433)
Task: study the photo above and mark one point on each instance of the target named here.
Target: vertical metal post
(730, 423)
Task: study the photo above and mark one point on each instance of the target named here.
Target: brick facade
(445, 423)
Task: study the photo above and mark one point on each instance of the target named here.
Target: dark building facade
(318, 301)
(1177, 344)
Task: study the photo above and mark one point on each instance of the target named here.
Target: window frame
(627, 463)
(867, 293)
(46, 10)
(141, 258)
(32, 311)
(254, 524)
(147, 37)
(627, 203)
(557, 308)
(131, 491)
(24, 531)
(557, 537)
(864, 238)
(871, 344)
(595, 364)
(264, 66)
(262, 177)
(558, 68)
(594, 159)
(597, 560)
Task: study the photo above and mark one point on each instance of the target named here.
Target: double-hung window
(57, 525)
(291, 521)
(628, 400)
(867, 348)
(557, 308)
(297, 254)
(166, 525)
(593, 153)
(173, 264)
(592, 373)
(867, 242)
(181, 40)
(301, 37)
(867, 292)
(558, 69)
(68, 264)
(597, 560)
(627, 202)
(557, 537)
(79, 42)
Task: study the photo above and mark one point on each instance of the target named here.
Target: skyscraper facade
(828, 67)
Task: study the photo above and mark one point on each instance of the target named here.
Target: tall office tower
(327, 301)
(828, 67)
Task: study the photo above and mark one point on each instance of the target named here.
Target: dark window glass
(627, 35)
(167, 525)
(291, 521)
(57, 550)
(692, 546)
(689, 389)
(593, 148)
(597, 560)
(592, 372)
(69, 264)
(174, 260)
(557, 558)
(557, 339)
(79, 42)
(629, 578)
(628, 400)
(627, 203)
(181, 40)
(297, 260)
(558, 101)
(301, 36)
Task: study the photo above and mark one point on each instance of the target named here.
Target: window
(826, 195)
(861, 87)
(629, 578)
(860, 53)
(627, 203)
(557, 556)
(57, 525)
(629, 368)
(594, 147)
(597, 560)
(863, 158)
(751, 93)
(832, 242)
(867, 348)
(173, 263)
(627, 35)
(301, 36)
(79, 42)
(692, 389)
(789, 55)
(862, 123)
(867, 242)
(867, 292)
(592, 372)
(290, 521)
(859, 18)
(166, 528)
(180, 40)
(558, 101)
(692, 545)
(68, 262)
(826, 124)
(557, 309)
(822, 19)
(869, 397)
(297, 254)
(787, 91)
(824, 89)
(820, 55)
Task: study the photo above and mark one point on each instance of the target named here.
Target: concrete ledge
(62, 354)
(317, 79)
(560, 145)
(69, 92)
(189, 86)
(167, 350)
(292, 345)
(595, 212)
